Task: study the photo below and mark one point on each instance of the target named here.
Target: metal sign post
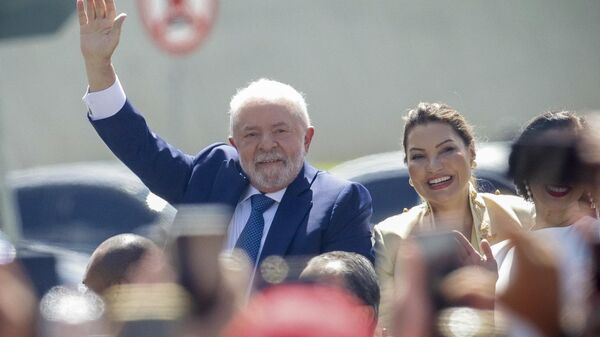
(10, 226)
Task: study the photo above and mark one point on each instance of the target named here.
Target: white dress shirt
(242, 214)
(105, 103)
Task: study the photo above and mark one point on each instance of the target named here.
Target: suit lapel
(234, 177)
(294, 207)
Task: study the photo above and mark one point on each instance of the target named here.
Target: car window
(79, 216)
(386, 177)
(391, 193)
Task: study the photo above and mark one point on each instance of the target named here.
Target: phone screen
(440, 252)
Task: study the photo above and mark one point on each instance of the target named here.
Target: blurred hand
(471, 286)
(471, 257)
(533, 292)
(413, 315)
(17, 303)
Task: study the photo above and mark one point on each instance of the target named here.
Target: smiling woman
(547, 171)
(440, 156)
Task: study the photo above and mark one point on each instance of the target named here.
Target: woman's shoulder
(508, 210)
(401, 224)
(513, 202)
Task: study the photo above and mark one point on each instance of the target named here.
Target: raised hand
(413, 312)
(471, 257)
(100, 30)
(534, 289)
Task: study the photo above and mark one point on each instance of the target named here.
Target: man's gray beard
(285, 176)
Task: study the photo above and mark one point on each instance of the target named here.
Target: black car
(386, 177)
(77, 206)
(66, 211)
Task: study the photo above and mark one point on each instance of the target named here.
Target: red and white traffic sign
(178, 26)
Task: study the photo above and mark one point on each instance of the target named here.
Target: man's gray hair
(268, 91)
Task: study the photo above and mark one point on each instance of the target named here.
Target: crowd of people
(291, 251)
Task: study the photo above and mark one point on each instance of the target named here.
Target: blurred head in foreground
(112, 260)
(349, 271)
(299, 311)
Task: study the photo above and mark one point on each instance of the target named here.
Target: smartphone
(440, 251)
(198, 239)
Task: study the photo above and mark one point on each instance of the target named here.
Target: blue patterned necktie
(251, 235)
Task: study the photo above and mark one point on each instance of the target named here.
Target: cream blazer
(491, 213)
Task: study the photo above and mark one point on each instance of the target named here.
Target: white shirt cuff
(105, 103)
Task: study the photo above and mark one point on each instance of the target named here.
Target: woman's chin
(444, 196)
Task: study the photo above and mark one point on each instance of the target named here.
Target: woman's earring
(593, 205)
(473, 164)
(528, 192)
(592, 201)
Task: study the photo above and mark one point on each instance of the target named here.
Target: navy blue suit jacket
(318, 213)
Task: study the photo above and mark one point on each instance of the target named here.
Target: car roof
(89, 201)
(87, 173)
(491, 156)
(385, 175)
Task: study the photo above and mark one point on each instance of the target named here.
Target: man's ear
(232, 142)
(310, 132)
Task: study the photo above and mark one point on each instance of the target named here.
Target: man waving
(282, 205)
